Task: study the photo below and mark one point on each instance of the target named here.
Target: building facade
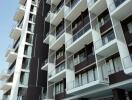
(70, 50)
(90, 48)
(16, 80)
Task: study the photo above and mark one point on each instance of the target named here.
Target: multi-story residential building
(74, 50)
(20, 82)
(90, 50)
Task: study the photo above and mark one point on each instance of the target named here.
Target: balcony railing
(45, 62)
(17, 42)
(57, 70)
(60, 33)
(72, 4)
(75, 83)
(116, 3)
(78, 34)
(101, 42)
(57, 9)
(91, 2)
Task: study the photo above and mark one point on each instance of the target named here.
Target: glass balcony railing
(116, 3)
(72, 4)
(90, 77)
(57, 70)
(59, 33)
(57, 8)
(102, 42)
(45, 62)
(92, 2)
(77, 35)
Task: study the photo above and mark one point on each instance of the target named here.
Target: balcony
(77, 41)
(57, 14)
(120, 8)
(4, 75)
(88, 82)
(47, 18)
(55, 2)
(5, 86)
(106, 46)
(23, 2)
(11, 55)
(20, 13)
(58, 73)
(45, 65)
(88, 61)
(16, 31)
(94, 4)
(49, 37)
(74, 8)
(58, 41)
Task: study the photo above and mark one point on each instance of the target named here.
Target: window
(60, 68)
(129, 27)
(80, 57)
(59, 87)
(85, 77)
(108, 37)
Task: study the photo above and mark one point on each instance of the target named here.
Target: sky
(8, 9)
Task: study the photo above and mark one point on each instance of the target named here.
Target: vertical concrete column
(119, 94)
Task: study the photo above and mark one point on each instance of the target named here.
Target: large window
(80, 57)
(104, 17)
(109, 36)
(59, 87)
(86, 77)
(60, 67)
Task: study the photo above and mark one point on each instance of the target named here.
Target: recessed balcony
(57, 74)
(20, 13)
(16, 32)
(94, 4)
(81, 38)
(73, 9)
(120, 8)
(11, 55)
